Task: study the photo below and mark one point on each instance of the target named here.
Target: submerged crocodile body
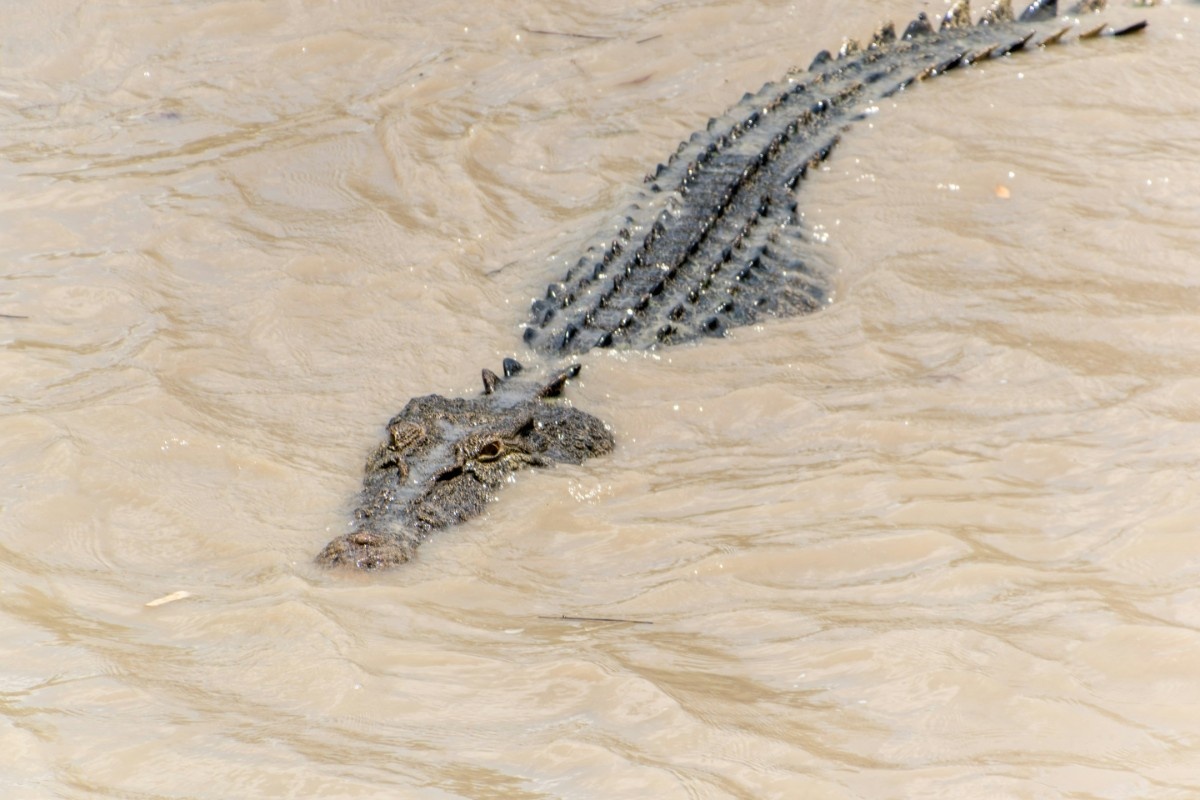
(711, 242)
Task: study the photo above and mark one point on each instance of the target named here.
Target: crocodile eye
(490, 451)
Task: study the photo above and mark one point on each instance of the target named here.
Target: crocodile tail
(714, 239)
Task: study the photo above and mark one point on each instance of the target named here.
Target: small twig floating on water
(566, 33)
(595, 36)
(168, 598)
(597, 619)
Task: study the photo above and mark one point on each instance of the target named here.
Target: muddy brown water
(939, 541)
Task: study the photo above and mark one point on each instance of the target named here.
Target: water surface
(938, 541)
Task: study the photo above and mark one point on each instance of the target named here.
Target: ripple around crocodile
(712, 241)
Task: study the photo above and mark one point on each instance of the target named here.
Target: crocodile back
(713, 240)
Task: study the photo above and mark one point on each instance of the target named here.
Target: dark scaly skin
(445, 458)
(712, 242)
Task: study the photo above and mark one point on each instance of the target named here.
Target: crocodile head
(445, 458)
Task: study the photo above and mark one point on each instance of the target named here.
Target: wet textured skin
(713, 241)
(445, 458)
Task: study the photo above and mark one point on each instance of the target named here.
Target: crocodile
(713, 240)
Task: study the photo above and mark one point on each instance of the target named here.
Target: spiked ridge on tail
(714, 241)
